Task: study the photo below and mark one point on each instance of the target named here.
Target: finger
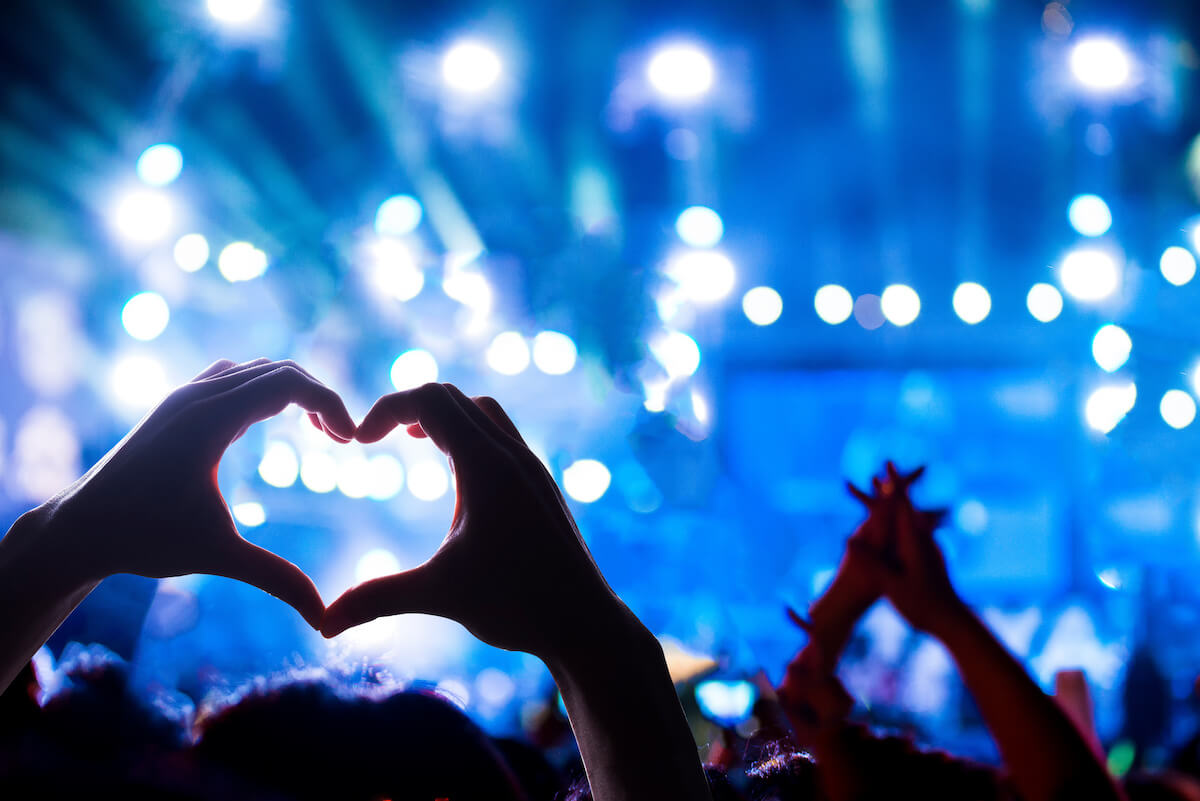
(405, 592)
(865, 499)
(877, 485)
(219, 366)
(415, 430)
(492, 408)
(277, 576)
(269, 393)
(432, 406)
(799, 621)
(912, 478)
(892, 473)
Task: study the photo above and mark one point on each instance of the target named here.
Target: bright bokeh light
(159, 165)
(900, 303)
(398, 215)
(1111, 347)
(318, 471)
(704, 276)
(971, 517)
(413, 368)
(354, 476)
(136, 382)
(249, 513)
(145, 316)
(699, 226)
(1089, 215)
(1044, 302)
(1178, 265)
(470, 288)
(191, 252)
(508, 354)
(1089, 275)
(234, 12)
(1108, 405)
(680, 72)
(1177, 408)
(279, 467)
(971, 302)
(729, 702)
(471, 67)
(834, 304)
(386, 477)
(677, 352)
(554, 353)
(586, 480)
(394, 270)
(376, 563)
(46, 454)
(142, 216)
(241, 261)
(427, 480)
(1100, 63)
(762, 305)
(700, 408)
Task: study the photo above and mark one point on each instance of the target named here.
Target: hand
(152, 506)
(816, 703)
(513, 568)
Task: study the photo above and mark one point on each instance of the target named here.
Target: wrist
(604, 642)
(953, 620)
(37, 549)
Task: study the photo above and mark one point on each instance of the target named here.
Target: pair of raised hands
(513, 568)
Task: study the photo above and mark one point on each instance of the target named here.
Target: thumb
(408, 591)
(277, 576)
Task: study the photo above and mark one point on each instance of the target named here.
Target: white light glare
(704, 276)
(470, 288)
(1044, 302)
(762, 305)
(241, 261)
(586, 480)
(833, 303)
(508, 354)
(137, 382)
(1100, 64)
(470, 67)
(414, 368)
(1089, 275)
(677, 352)
(971, 302)
(318, 471)
(279, 466)
(394, 269)
(191, 252)
(145, 315)
(234, 12)
(1178, 265)
(376, 563)
(900, 304)
(250, 513)
(398, 215)
(1111, 347)
(1089, 215)
(427, 480)
(1177, 408)
(1108, 406)
(699, 226)
(554, 353)
(159, 165)
(680, 72)
(387, 477)
(142, 216)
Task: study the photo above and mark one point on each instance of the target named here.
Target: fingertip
(416, 431)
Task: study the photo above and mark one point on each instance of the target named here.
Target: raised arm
(152, 507)
(514, 570)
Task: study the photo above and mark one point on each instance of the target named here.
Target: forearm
(833, 616)
(631, 730)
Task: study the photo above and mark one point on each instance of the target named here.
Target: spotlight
(470, 288)
(699, 226)
(137, 382)
(280, 467)
(354, 475)
(427, 480)
(1100, 64)
(234, 12)
(1044, 302)
(394, 270)
(833, 303)
(508, 354)
(554, 353)
(729, 702)
(191, 252)
(762, 305)
(676, 352)
(1111, 347)
(387, 477)
(1089, 215)
(376, 563)
(971, 302)
(586, 480)
(680, 72)
(1177, 408)
(1108, 405)
(142, 216)
(901, 304)
(318, 472)
(413, 368)
(241, 261)
(159, 165)
(250, 514)
(145, 316)
(471, 67)
(398, 215)
(1178, 265)
(704, 276)
(1089, 275)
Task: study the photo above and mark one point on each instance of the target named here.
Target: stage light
(833, 303)
(471, 67)
(554, 353)
(1089, 275)
(159, 165)
(677, 352)
(398, 215)
(971, 302)
(241, 261)
(494, 687)
(699, 226)
(1177, 408)
(250, 513)
(394, 270)
(413, 368)
(680, 72)
(900, 304)
(386, 477)
(191, 252)
(145, 316)
(704, 276)
(971, 517)
(728, 702)
(354, 476)
(762, 305)
(279, 466)
(234, 12)
(508, 354)
(318, 471)
(1044, 302)
(586, 480)
(376, 563)
(136, 382)
(1111, 347)
(427, 480)
(142, 216)
(1108, 405)
(1100, 63)
(1089, 215)
(656, 395)
(469, 288)
(1178, 265)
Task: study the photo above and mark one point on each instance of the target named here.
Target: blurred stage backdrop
(713, 260)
